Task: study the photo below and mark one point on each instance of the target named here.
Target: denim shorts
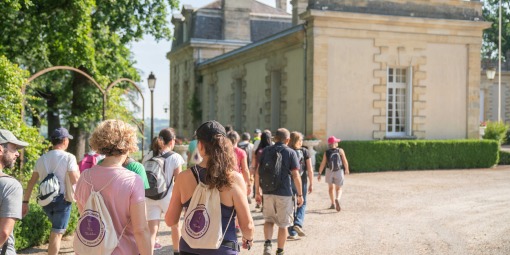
(58, 213)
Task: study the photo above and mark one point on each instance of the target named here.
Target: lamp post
(499, 65)
(152, 84)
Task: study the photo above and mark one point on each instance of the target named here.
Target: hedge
(375, 156)
(504, 158)
(34, 229)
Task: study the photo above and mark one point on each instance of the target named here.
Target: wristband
(25, 202)
(299, 195)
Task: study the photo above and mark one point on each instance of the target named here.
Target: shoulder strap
(228, 224)
(92, 186)
(4, 247)
(168, 154)
(196, 173)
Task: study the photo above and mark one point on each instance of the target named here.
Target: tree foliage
(490, 36)
(93, 35)
(12, 79)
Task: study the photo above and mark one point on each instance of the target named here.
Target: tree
(92, 35)
(490, 13)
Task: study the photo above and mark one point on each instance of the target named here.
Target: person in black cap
(11, 191)
(217, 171)
(59, 162)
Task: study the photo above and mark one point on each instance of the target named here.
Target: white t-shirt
(58, 162)
(171, 163)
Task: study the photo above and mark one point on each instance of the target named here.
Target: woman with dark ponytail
(218, 171)
(162, 146)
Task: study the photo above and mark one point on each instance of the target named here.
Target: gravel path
(414, 212)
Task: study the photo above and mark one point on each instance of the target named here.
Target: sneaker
(279, 253)
(337, 205)
(257, 206)
(293, 237)
(157, 246)
(249, 200)
(299, 230)
(267, 248)
(332, 206)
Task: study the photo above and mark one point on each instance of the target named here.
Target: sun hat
(209, 129)
(333, 139)
(7, 136)
(61, 133)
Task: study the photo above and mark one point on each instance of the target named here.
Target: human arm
(6, 227)
(175, 207)
(246, 175)
(309, 172)
(258, 196)
(140, 228)
(299, 186)
(244, 217)
(322, 166)
(74, 176)
(28, 192)
(344, 161)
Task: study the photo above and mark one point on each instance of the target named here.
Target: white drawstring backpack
(202, 221)
(95, 233)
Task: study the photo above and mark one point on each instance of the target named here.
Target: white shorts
(336, 178)
(157, 207)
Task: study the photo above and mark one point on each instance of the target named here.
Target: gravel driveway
(413, 212)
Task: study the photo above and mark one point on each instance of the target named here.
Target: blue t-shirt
(289, 162)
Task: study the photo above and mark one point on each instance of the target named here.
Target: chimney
(236, 20)
(298, 7)
(282, 5)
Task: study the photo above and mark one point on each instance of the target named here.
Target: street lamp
(152, 84)
(491, 73)
(499, 65)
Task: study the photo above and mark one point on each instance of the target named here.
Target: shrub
(504, 158)
(34, 229)
(374, 156)
(496, 130)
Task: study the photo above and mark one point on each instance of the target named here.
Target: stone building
(359, 70)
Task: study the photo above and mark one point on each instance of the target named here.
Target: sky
(151, 57)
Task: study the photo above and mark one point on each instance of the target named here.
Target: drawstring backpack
(202, 221)
(95, 233)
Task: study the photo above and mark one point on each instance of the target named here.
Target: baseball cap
(257, 131)
(209, 129)
(6, 136)
(333, 139)
(61, 133)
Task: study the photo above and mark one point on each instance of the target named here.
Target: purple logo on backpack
(91, 229)
(197, 222)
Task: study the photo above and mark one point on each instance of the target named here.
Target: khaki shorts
(336, 178)
(278, 210)
(157, 207)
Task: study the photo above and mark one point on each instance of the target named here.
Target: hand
(24, 209)
(299, 201)
(247, 243)
(346, 172)
(249, 188)
(319, 177)
(258, 198)
(310, 189)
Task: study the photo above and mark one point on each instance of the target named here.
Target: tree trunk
(77, 146)
(53, 115)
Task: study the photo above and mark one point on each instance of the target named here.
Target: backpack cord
(231, 215)
(99, 191)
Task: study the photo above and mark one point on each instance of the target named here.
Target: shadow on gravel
(324, 211)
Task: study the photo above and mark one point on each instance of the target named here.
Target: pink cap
(333, 139)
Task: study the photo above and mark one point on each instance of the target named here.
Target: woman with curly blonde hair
(218, 171)
(123, 191)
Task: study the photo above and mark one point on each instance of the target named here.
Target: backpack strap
(92, 186)
(228, 224)
(4, 247)
(196, 173)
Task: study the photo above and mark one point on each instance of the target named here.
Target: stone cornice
(386, 23)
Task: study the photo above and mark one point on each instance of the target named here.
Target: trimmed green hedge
(34, 229)
(374, 156)
(504, 158)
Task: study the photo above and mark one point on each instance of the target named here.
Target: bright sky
(151, 57)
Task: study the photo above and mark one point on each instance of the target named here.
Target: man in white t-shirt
(59, 162)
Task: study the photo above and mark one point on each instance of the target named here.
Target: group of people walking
(121, 205)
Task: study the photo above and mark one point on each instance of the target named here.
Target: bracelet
(299, 195)
(25, 202)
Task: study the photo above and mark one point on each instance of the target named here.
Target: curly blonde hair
(114, 138)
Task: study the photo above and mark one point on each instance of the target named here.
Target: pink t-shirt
(240, 156)
(126, 189)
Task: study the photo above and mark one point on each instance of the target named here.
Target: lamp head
(490, 72)
(151, 81)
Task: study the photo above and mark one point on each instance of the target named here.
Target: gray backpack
(155, 170)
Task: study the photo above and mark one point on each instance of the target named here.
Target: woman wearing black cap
(217, 171)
